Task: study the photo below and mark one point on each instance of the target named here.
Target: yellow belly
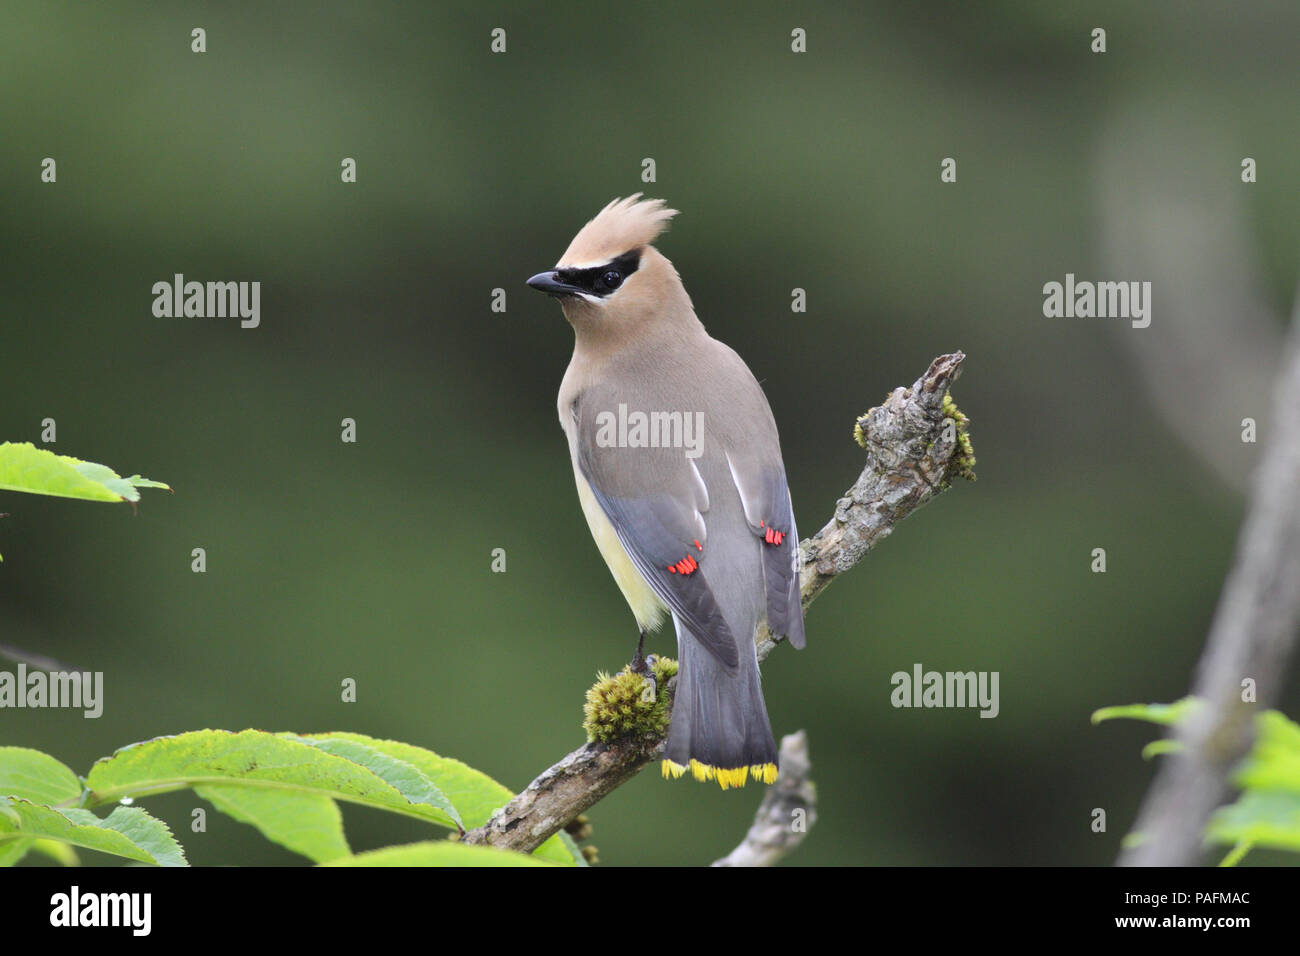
(645, 604)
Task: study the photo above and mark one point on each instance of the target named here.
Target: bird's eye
(613, 279)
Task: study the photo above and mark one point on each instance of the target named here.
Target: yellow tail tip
(670, 770)
(727, 777)
(732, 776)
(702, 771)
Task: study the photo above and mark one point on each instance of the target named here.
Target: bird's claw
(645, 667)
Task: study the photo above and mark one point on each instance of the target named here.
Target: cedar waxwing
(679, 473)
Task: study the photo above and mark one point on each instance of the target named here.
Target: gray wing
(765, 496)
(656, 500)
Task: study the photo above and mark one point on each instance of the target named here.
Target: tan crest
(623, 225)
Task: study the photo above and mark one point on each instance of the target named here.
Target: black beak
(549, 282)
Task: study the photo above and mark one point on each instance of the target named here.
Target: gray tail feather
(784, 610)
(781, 572)
(719, 717)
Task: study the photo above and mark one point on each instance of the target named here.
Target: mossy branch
(917, 442)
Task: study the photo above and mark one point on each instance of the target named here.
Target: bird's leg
(638, 665)
(641, 664)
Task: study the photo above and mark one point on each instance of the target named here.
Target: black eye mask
(603, 280)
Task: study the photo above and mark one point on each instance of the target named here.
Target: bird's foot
(640, 662)
(645, 667)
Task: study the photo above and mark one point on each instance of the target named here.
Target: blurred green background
(819, 170)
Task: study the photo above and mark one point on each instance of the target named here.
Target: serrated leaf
(404, 777)
(438, 853)
(476, 795)
(143, 829)
(250, 758)
(306, 823)
(24, 467)
(285, 784)
(36, 776)
(128, 831)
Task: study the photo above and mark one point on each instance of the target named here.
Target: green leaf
(476, 795)
(306, 823)
(411, 782)
(567, 850)
(253, 758)
(285, 785)
(127, 831)
(24, 467)
(1152, 713)
(60, 853)
(1267, 813)
(141, 828)
(11, 851)
(1162, 746)
(1267, 818)
(438, 853)
(36, 776)
(1235, 855)
(1274, 761)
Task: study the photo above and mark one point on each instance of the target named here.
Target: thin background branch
(1252, 636)
(787, 813)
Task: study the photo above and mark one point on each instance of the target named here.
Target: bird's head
(611, 278)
